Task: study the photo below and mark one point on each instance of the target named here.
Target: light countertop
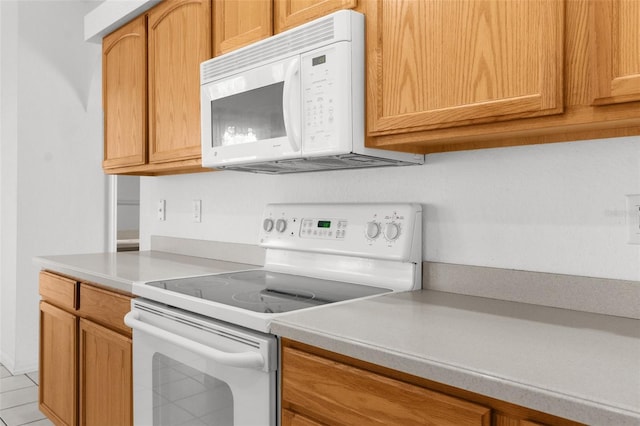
(120, 270)
(576, 365)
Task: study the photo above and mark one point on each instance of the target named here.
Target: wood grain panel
(124, 95)
(291, 13)
(331, 390)
(237, 23)
(60, 291)
(105, 307)
(289, 418)
(179, 39)
(616, 50)
(58, 365)
(447, 62)
(503, 413)
(105, 373)
(505, 420)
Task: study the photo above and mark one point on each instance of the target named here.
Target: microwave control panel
(377, 230)
(326, 99)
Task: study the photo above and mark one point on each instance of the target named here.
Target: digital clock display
(324, 224)
(318, 60)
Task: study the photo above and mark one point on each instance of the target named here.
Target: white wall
(553, 208)
(53, 190)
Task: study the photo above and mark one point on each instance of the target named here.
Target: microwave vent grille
(336, 162)
(291, 42)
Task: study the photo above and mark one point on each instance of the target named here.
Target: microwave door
(252, 116)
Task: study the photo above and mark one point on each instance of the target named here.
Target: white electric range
(213, 331)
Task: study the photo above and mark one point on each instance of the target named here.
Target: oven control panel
(376, 230)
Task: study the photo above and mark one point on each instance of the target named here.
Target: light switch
(161, 210)
(633, 218)
(197, 211)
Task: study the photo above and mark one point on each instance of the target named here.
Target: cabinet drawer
(104, 307)
(59, 290)
(327, 390)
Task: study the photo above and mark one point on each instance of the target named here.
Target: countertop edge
(83, 274)
(533, 397)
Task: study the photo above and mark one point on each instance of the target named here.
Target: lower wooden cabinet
(325, 388)
(105, 376)
(333, 391)
(58, 364)
(85, 354)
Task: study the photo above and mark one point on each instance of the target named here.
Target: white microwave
(293, 102)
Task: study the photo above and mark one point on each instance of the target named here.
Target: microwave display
(319, 60)
(249, 116)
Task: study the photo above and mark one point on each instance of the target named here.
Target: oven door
(189, 369)
(252, 116)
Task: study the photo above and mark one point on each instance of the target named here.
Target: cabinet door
(291, 13)
(237, 23)
(105, 376)
(445, 63)
(179, 35)
(58, 364)
(124, 68)
(338, 393)
(616, 50)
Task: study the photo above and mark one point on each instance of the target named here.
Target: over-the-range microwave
(293, 102)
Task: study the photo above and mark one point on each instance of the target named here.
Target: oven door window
(184, 395)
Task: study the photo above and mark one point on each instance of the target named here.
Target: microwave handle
(239, 359)
(292, 126)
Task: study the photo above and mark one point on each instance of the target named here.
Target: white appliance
(202, 352)
(292, 103)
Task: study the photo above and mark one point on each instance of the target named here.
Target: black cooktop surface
(266, 291)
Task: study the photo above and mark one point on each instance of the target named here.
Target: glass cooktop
(267, 292)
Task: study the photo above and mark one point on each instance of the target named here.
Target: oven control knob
(267, 225)
(373, 230)
(281, 225)
(392, 231)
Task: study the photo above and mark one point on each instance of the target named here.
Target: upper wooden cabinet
(455, 62)
(237, 23)
(179, 40)
(291, 13)
(616, 50)
(151, 89)
(124, 95)
(446, 75)
(441, 75)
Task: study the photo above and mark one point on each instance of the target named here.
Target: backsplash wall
(557, 208)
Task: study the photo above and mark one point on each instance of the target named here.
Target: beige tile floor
(19, 400)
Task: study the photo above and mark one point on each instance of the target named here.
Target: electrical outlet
(197, 211)
(633, 218)
(162, 208)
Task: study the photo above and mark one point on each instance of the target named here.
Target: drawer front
(338, 393)
(59, 291)
(105, 307)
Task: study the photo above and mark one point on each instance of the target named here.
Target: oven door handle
(231, 359)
